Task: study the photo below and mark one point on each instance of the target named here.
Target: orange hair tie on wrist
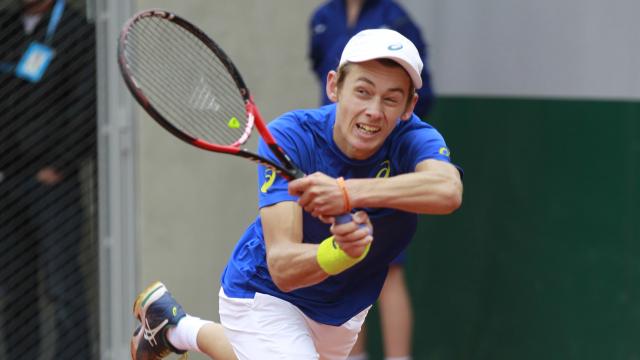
(345, 194)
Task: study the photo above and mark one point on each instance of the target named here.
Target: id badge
(34, 62)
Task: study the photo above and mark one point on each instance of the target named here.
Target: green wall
(543, 259)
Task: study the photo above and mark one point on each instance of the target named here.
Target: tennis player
(298, 285)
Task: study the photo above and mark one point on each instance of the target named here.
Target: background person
(47, 107)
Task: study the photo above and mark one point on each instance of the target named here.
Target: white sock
(398, 358)
(362, 356)
(185, 335)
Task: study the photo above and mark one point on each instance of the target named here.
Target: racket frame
(287, 168)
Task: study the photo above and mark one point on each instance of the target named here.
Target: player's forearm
(294, 266)
(292, 263)
(420, 192)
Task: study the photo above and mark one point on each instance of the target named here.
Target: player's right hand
(319, 194)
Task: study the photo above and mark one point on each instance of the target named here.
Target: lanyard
(54, 21)
(56, 15)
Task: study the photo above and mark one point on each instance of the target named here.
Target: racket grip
(345, 218)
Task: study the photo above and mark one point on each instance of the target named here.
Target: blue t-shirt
(307, 136)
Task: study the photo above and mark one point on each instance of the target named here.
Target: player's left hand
(319, 194)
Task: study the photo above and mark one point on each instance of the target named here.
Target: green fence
(543, 259)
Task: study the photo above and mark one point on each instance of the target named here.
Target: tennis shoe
(157, 312)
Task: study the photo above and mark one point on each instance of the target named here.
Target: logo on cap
(394, 47)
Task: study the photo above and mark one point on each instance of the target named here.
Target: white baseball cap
(384, 44)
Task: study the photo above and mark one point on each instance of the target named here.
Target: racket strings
(185, 81)
(200, 98)
(176, 79)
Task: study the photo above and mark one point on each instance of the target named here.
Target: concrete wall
(550, 48)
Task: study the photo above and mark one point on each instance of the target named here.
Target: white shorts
(269, 328)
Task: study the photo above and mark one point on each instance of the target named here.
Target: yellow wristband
(333, 260)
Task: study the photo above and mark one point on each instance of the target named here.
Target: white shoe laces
(150, 334)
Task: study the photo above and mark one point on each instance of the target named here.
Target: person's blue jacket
(330, 33)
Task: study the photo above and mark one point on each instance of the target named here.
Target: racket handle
(345, 218)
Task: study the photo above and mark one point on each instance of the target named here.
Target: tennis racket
(189, 86)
